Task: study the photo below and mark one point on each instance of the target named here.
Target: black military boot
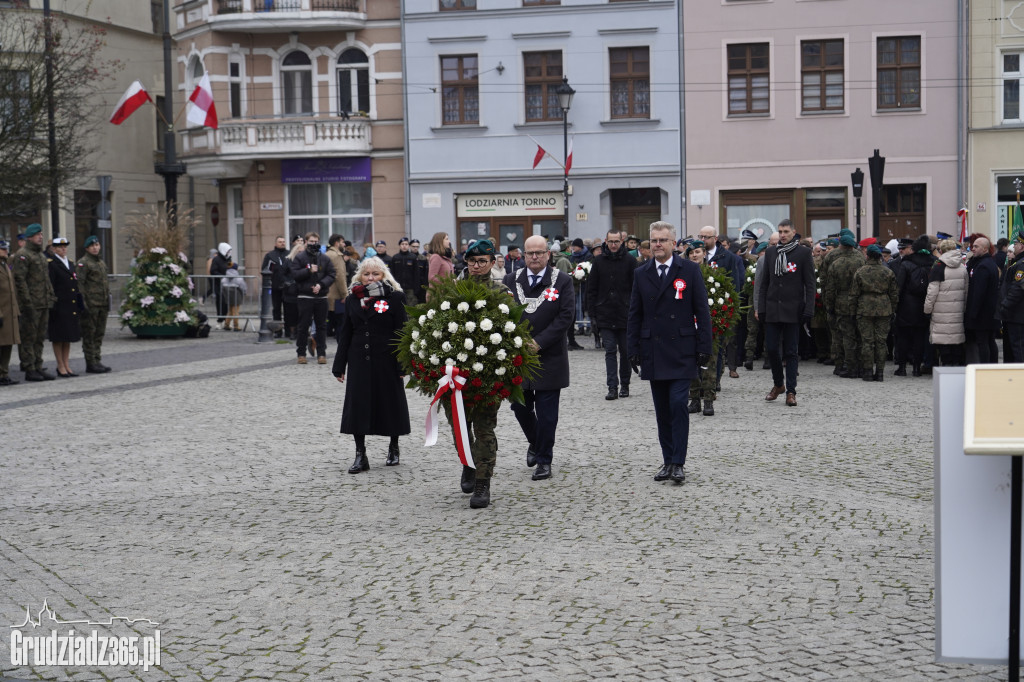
(868, 374)
(481, 494)
(468, 479)
(749, 365)
(694, 406)
(901, 370)
(879, 375)
(393, 454)
(709, 408)
(838, 371)
(360, 464)
(916, 371)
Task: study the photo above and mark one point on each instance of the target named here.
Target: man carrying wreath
(550, 309)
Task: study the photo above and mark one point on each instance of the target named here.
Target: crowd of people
(45, 295)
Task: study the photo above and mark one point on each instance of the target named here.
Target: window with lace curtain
(630, 82)
(542, 74)
(899, 72)
(460, 95)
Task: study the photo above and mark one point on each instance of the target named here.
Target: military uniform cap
(943, 235)
(33, 229)
(874, 250)
(906, 243)
(60, 241)
(4, 245)
(844, 232)
(90, 240)
(868, 241)
(848, 239)
(480, 247)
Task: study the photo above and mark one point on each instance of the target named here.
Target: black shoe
(46, 375)
(828, 361)
(663, 473)
(96, 369)
(926, 369)
(62, 375)
(393, 454)
(531, 456)
(901, 371)
(613, 393)
(481, 494)
(543, 471)
(838, 371)
(766, 365)
(694, 406)
(878, 376)
(7, 381)
(868, 376)
(916, 371)
(850, 373)
(360, 464)
(624, 392)
(572, 346)
(33, 375)
(677, 473)
(749, 365)
(718, 387)
(709, 408)
(468, 479)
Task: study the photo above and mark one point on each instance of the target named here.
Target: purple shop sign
(343, 169)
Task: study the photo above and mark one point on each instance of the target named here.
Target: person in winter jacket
(314, 274)
(609, 287)
(874, 298)
(911, 321)
(945, 303)
(980, 323)
(274, 263)
(1011, 304)
(234, 290)
(218, 268)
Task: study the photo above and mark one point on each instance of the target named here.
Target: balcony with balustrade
(277, 16)
(231, 149)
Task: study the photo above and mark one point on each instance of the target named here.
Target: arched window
(194, 74)
(353, 82)
(297, 83)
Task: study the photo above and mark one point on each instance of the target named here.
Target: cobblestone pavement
(203, 485)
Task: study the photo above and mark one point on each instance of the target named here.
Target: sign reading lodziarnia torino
(510, 204)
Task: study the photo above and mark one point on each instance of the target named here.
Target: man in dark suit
(785, 304)
(551, 310)
(668, 336)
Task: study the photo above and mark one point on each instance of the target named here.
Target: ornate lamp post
(565, 93)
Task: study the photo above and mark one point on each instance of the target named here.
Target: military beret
(868, 241)
(480, 247)
(403, 240)
(760, 247)
(848, 240)
(873, 250)
(414, 241)
(33, 229)
(381, 242)
(90, 240)
(843, 232)
(834, 241)
(60, 241)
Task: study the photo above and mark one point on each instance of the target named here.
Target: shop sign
(339, 169)
(511, 204)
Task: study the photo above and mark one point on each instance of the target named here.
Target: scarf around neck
(781, 259)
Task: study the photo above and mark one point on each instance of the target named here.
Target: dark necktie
(663, 269)
(533, 280)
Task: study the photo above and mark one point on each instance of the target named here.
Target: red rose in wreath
(517, 360)
(517, 380)
(497, 385)
(505, 393)
(476, 382)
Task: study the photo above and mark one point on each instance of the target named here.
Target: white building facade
(481, 80)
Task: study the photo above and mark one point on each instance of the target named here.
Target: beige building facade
(996, 132)
(309, 101)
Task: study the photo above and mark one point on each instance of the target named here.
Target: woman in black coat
(375, 402)
(64, 326)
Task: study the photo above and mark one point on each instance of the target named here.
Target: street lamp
(565, 93)
(857, 177)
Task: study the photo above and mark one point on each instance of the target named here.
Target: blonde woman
(375, 402)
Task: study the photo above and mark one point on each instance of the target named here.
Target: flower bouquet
(748, 286)
(722, 301)
(582, 271)
(159, 292)
(475, 330)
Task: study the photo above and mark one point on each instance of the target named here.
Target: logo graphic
(80, 649)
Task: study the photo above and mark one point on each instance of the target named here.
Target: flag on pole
(133, 98)
(202, 111)
(1018, 222)
(568, 157)
(962, 214)
(539, 156)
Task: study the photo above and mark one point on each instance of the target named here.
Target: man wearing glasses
(669, 340)
(551, 310)
(608, 290)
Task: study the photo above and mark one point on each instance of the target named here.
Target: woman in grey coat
(945, 302)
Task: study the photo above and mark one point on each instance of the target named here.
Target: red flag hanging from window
(133, 98)
(539, 156)
(202, 112)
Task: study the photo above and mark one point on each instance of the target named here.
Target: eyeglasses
(662, 241)
(535, 254)
(478, 263)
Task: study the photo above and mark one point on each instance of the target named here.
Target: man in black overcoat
(668, 336)
(608, 290)
(785, 306)
(551, 311)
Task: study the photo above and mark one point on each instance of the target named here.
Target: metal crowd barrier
(248, 313)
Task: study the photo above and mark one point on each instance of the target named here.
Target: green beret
(481, 247)
(873, 250)
(760, 247)
(844, 233)
(33, 229)
(848, 239)
(832, 242)
(90, 240)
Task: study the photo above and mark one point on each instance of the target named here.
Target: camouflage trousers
(34, 322)
(848, 337)
(703, 387)
(94, 326)
(835, 340)
(750, 347)
(873, 331)
(483, 444)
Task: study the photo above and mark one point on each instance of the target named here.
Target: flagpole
(169, 168)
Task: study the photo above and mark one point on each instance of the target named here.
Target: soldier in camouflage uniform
(835, 340)
(481, 419)
(92, 280)
(873, 297)
(838, 279)
(35, 298)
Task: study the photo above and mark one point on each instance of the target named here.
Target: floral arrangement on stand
(475, 330)
(722, 299)
(159, 292)
(582, 271)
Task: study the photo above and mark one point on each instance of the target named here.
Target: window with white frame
(344, 208)
(353, 82)
(1012, 78)
(235, 86)
(296, 84)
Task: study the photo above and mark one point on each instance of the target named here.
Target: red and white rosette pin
(680, 286)
(790, 267)
(550, 294)
(451, 382)
(381, 306)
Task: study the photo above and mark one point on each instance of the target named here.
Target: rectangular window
(16, 102)
(460, 96)
(821, 75)
(235, 87)
(749, 73)
(899, 72)
(1012, 79)
(457, 4)
(630, 82)
(542, 73)
(528, 3)
(345, 208)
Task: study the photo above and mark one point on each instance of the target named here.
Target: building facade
(309, 100)
(786, 98)
(996, 133)
(482, 80)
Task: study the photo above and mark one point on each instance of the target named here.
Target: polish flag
(202, 111)
(539, 156)
(568, 157)
(133, 98)
(962, 214)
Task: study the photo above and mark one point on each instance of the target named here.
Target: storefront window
(344, 208)
(756, 217)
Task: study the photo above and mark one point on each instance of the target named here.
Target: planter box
(145, 331)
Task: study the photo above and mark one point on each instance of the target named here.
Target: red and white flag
(133, 98)
(568, 157)
(539, 156)
(962, 214)
(201, 111)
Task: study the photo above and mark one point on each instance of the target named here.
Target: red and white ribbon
(680, 286)
(451, 382)
(550, 294)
